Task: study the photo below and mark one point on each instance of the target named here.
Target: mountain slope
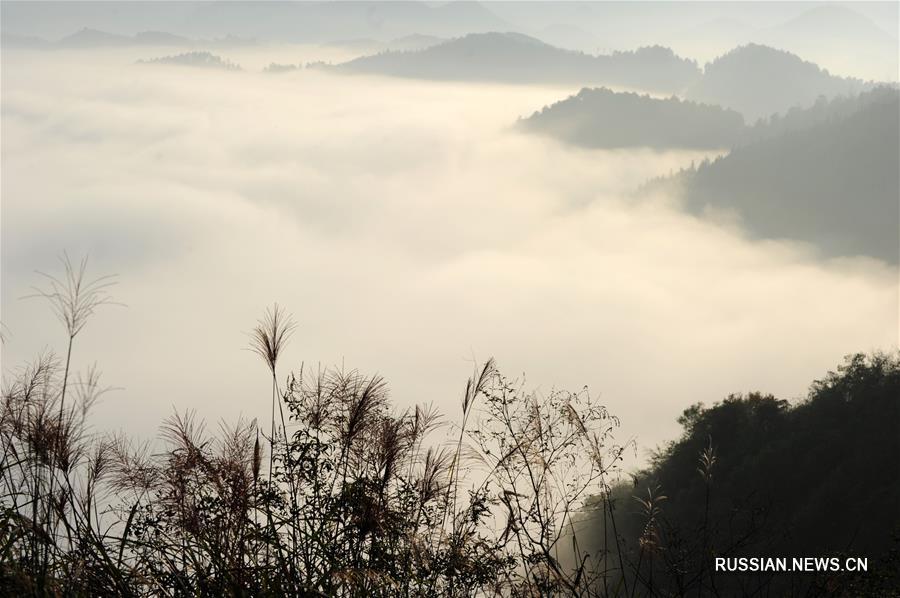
(754, 475)
(92, 38)
(195, 59)
(603, 118)
(513, 57)
(832, 182)
(759, 81)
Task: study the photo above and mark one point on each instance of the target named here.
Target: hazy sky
(407, 228)
(849, 38)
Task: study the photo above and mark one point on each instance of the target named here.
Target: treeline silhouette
(759, 81)
(605, 119)
(518, 58)
(198, 59)
(823, 110)
(339, 494)
(754, 80)
(826, 176)
(754, 476)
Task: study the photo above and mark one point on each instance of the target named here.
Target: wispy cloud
(407, 227)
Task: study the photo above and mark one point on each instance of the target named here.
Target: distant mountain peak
(760, 80)
(830, 17)
(501, 37)
(514, 57)
(601, 117)
(756, 51)
(195, 59)
(87, 36)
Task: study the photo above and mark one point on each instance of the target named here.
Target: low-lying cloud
(408, 227)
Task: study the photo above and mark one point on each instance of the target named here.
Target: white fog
(408, 228)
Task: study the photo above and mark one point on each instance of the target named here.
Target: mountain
(160, 38)
(518, 58)
(362, 45)
(756, 475)
(195, 59)
(92, 38)
(413, 43)
(830, 181)
(30, 42)
(407, 43)
(822, 111)
(86, 38)
(603, 118)
(840, 37)
(570, 37)
(759, 81)
(305, 22)
(839, 24)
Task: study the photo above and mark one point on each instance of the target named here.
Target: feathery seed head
(271, 334)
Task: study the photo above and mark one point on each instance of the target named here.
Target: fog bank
(408, 227)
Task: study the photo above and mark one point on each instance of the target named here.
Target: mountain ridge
(512, 57)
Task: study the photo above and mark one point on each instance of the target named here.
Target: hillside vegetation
(340, 494)
(196, 59)
(759, 81)
(606, 119)
(518, 58)
(830, 181)
(753, 475)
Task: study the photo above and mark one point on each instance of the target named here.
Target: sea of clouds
(408, 228)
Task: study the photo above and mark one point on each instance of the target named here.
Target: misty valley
(449, 298)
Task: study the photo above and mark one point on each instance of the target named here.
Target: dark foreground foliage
(339, 494)
(755, 476)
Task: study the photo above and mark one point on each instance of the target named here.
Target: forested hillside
(603, 118)
(753, 475)
(759, 81)
(518, 58)
(831, 183)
